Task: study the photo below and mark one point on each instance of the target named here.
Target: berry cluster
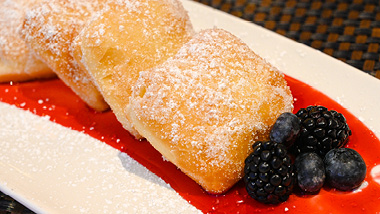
(314, 137)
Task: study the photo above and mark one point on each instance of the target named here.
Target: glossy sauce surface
(52, 98)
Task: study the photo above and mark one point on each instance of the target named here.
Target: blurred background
(348, 30)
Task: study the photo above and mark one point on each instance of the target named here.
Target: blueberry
(286, 129)
(310, 172)
(345, 169)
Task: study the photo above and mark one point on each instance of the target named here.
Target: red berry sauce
(52, 98)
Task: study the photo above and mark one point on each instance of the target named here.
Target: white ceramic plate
(51, 169)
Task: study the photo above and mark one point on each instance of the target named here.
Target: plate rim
(284, 50)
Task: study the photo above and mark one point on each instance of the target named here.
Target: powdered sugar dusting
(66, 171)
(126, 38)
(16, 61)
(208, 103)
(50, 29)
(55, 20)
(11, 16)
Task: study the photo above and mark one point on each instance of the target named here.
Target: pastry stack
(200, 98)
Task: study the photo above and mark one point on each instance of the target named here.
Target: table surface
(348, 30)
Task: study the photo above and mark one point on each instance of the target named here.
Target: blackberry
(286, 129)
(345, 169)
(310, 172)
(321, 130)
(268, 173)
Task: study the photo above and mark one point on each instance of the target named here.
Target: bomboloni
(126, 38)
(17, 62)
(204, 108)
(49, 29)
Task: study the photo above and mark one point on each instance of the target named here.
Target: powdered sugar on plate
(67, 171)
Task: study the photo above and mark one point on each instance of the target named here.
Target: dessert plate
(54, 168)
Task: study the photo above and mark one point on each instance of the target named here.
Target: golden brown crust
(204, 108)
(50, 29)
(17, 63)
(126, 38)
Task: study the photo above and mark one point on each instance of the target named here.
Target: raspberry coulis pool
(52, 98)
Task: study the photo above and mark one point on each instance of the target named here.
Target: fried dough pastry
(17, 63)
(126, 38)
(50, 29)
(204, 108)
